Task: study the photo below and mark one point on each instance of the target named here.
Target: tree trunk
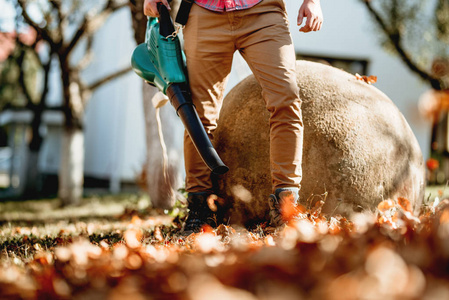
(19, 161)
(32, 178)
(71, 166)
(162, 182)
(30, 182)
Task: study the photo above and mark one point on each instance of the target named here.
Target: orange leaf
(135, 220)
(158, 234)
(301, 209)
(334, 226)
(211, 202)
(133, 262)
(368, 79)
(382, 220)
(289, 210)
(207, 228)
(405, 204)
(269, 241)
(444, 218)
(385, 205)
(132, 238)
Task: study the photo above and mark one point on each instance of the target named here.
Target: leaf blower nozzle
(179, 95)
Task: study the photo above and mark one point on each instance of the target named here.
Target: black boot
(200, 213)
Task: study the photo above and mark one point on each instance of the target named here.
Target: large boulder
(358, 147)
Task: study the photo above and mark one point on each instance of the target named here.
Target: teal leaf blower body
(160, 62)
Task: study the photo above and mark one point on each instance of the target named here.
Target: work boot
(282, 205)
(200, 213)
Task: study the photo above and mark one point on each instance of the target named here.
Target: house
(115, 134)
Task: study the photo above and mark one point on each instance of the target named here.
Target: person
(259, 30)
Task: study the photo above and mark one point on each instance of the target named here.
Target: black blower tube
(180, 99)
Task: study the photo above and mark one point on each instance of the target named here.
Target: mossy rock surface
(358, 147)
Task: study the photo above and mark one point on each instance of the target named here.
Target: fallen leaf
(368, 79)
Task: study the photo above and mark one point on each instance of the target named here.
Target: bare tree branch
(45, 91)
(44, 32)
(79, 33)
(104, 80)
(87, 57)
(395, 39)
(139, 20)
(23, 86)
(23, 49)
(87, 27)
(61, 28)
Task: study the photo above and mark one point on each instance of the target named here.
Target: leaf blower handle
(166, 27)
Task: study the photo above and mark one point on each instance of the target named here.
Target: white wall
(114, 144)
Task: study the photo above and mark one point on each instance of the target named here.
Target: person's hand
(150, 7)
(311, 10)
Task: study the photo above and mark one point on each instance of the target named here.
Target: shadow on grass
(92, 207)
(35, 225)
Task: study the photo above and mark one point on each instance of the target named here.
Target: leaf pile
(391, 255)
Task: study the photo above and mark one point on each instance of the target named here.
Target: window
(351, 65)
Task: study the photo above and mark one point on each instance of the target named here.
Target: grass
(90, 207)
(27, 226)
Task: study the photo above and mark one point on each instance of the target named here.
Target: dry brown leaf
(368, 79)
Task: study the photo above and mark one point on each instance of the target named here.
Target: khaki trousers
(262, 37)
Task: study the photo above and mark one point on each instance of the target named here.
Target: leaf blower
(160, 62)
